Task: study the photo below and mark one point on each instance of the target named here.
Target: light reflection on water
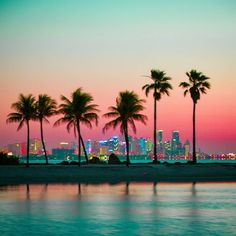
(122, 209)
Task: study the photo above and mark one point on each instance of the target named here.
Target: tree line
(79, 110)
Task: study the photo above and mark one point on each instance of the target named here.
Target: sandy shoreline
(11, 175)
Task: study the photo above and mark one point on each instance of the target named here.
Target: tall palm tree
(126, 112)
(45, 107)
(197, 84)
(79, 110)
(25, 111)
(160, 85)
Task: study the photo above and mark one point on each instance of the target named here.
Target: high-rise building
(36, 146)
(131, 144)
(88, 146)
(15, 149)
(103, 147)
(167, 148)
(176, 145)
(95, 147)
(159, 136)
(187, 149)
(136, 147)
(174, 141)
(160, 141)
(115, 144)
(175, 136)
(143, 145)
(149, 145)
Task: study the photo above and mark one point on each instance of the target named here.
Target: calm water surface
(123, 209)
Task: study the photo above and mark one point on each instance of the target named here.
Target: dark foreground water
(124, 209)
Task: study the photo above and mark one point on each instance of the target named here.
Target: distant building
(176, 145)
(149, 145)
(64, 145)
(15, 149)
(88, 146)
(187, 150)
(36, 147)
(143, 145)
(160, 141)
(95, 147)
(103, 147)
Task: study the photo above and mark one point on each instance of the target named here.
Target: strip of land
(42, 174)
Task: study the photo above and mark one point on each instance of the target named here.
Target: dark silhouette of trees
(126, 112)
(79, 110)
(25, 111)
(197, 84)
(45, 107)
(160, 85)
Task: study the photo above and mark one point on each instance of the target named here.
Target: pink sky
(54, 49)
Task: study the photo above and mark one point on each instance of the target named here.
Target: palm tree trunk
(79, 145)
(42, 140)
(28, 144)
(127, 146)
(85, 152)
(194, 134)
(155, 132)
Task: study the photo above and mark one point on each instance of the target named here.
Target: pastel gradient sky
(107, 46)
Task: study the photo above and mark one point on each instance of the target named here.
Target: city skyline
(166, 149)
(55, 47)
(164, 145)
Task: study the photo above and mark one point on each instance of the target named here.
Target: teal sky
(105, 46)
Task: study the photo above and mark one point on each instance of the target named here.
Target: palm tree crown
(78, 110)
(25, 111)
(45, 107)
(197, 84)
(126, 112)
(160, 85)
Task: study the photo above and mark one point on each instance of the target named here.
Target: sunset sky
(104, 46)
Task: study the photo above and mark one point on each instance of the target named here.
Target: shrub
(8, 160)
(95, 160)
(114, 159)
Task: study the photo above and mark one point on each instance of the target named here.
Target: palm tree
(77, 111)
(45, 107)
(197, 85)
(160, 86)
(126, 112)
(25, 111)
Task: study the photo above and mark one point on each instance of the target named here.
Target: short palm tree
(79, 110)
(160, 85)
(126, 112)
(25, 111)
(197, 84)
(45, 107)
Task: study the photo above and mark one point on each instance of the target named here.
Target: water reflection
(125, 208)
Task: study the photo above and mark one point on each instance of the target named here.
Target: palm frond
(20, 125)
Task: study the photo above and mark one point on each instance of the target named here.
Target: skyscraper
(88, 146)
(143, 145)
(160, 141)
(159, 136)
(175, 136)
(187, 149)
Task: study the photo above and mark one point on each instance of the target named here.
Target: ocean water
(133, 159)
(123, 209)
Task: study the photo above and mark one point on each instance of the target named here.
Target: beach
(39, 174)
